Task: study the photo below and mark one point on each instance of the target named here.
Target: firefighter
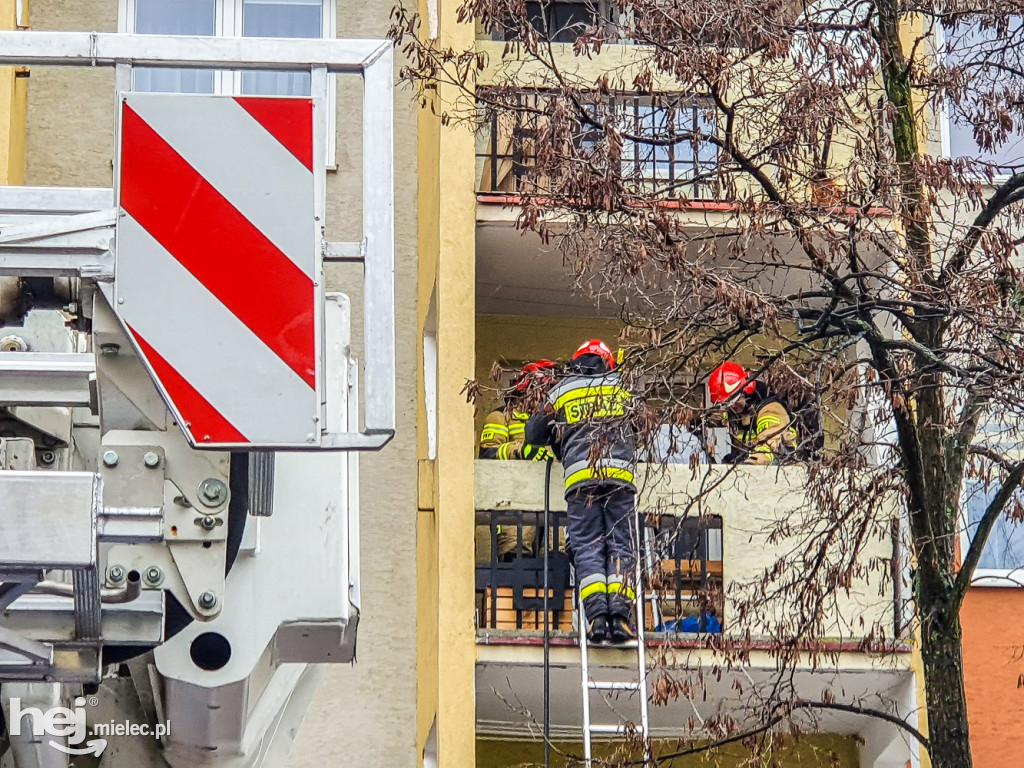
(503, 438)
(585, 419)
(760, 427)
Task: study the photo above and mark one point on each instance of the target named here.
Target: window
(690, 159)
(1002, 561)
(985, 61)
(280, 18)
(244, 18)
(686, 163)
(565, 21)
(562, 20)
(175, 17)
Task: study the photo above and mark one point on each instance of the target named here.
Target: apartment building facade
(447, 675)
(512, 302)
(58, 130)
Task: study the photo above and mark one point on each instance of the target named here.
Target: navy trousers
(602, 532)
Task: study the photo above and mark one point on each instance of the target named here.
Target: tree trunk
(949, 746)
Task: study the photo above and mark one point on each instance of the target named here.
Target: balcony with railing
(711, 534)
(682, 562)
(682, 162)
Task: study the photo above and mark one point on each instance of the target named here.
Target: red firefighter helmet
(538, 369)
(726, 379)
(596, 347)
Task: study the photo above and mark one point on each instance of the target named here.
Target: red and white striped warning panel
(217, 262)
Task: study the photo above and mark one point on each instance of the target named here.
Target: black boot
(619, 630)
(597, 630)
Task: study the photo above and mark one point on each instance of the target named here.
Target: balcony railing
(510, 571)
(508, 145)
(682, 561)
(698, 567)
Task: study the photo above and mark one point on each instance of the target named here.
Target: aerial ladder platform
(182, 407)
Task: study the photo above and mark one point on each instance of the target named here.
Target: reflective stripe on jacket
(591, 410)
(501, 439)
(768, 435)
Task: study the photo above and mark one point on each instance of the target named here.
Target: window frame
(1011, 578)
(628, 110)
(228, 23)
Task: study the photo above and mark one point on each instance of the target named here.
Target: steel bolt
(207, 601)
(116, 574)
(213, 492)
(110, 458)
(151, 459)
(47, 457)
(154, 575)
(109, 350)
(208, 523)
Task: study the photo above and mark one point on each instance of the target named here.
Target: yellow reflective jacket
(503, 438)
(766, 436)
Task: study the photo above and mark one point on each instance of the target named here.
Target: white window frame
(228, 23)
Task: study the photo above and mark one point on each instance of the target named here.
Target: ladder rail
(641, 646)
(585, 672)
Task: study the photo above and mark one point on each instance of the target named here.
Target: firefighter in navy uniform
(760, 427)
(585, 419)
(502, 437)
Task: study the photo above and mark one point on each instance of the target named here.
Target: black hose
(547, 617)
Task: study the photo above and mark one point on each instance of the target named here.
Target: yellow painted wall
(511, 340)
(445, 570)
(427, 584)
(13, 104)
(811, 750)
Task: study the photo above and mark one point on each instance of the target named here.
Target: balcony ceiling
(499, 684)
(517, 274)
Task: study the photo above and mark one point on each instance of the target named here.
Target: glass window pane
(280, 18)
(973, 45)
(175, 17)
(1004, 549)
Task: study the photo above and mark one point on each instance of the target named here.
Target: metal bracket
(31, 652)
(343, 253)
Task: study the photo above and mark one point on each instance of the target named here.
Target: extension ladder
(637, 686)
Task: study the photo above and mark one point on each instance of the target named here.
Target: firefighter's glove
(538, 453)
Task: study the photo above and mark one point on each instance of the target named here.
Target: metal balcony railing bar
(687, 574)
(508, 145)
(509, 582)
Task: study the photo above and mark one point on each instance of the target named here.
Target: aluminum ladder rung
(603, 685)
